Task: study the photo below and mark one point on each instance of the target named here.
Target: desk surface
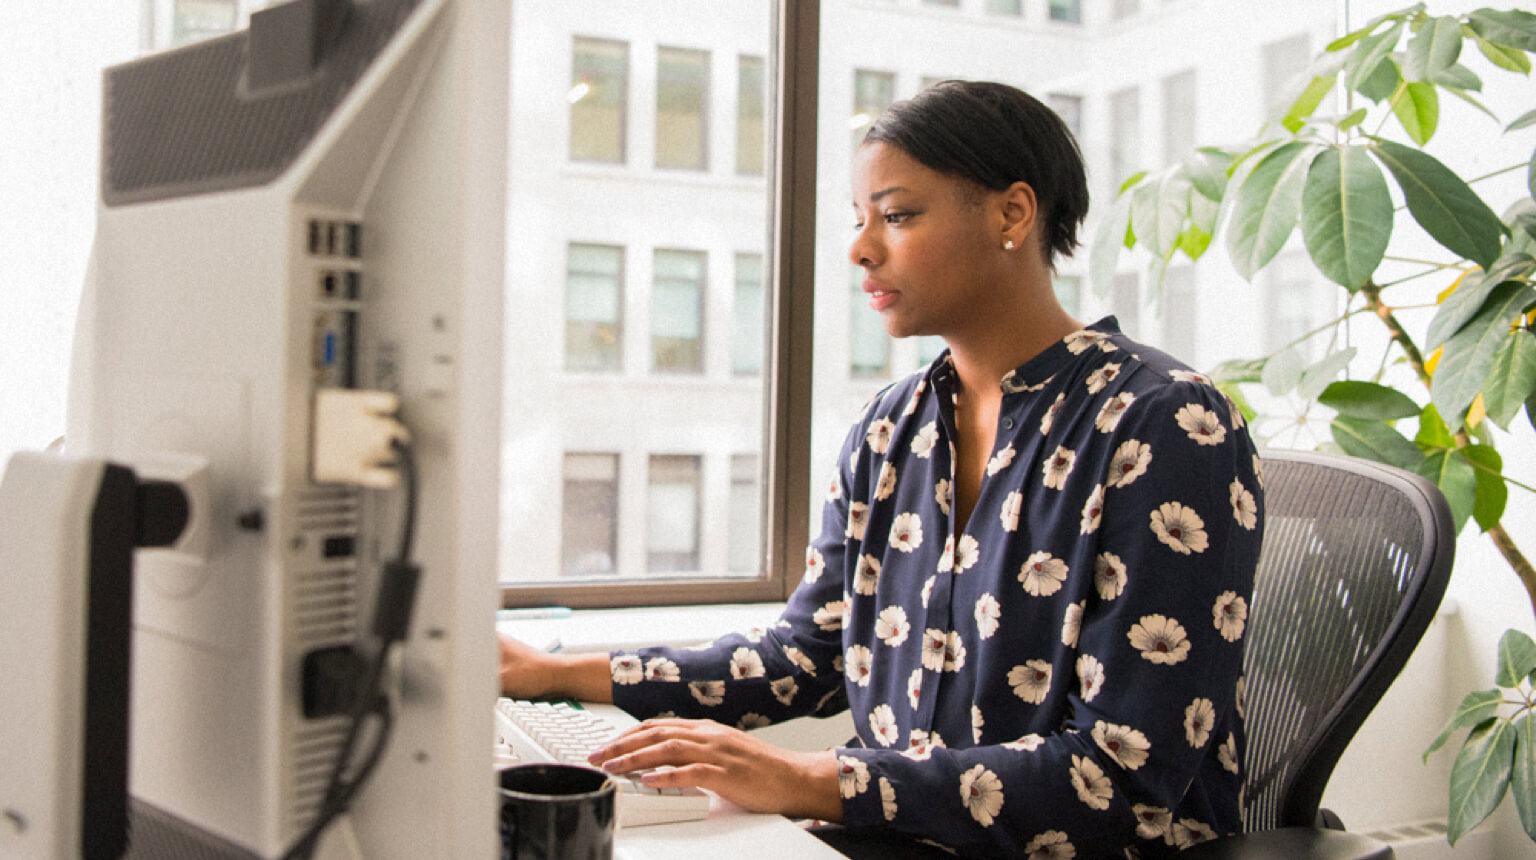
(727, 832)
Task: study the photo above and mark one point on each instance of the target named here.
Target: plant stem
(1501, 539)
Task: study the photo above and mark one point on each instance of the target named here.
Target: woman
(1031, 580)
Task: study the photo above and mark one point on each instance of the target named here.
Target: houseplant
(1322, 170)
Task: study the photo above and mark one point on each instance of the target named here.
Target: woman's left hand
(749, 772)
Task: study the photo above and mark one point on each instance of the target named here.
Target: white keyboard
(567, 732)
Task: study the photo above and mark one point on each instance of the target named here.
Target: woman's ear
(1020, 212)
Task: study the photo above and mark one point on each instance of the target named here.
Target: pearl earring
(1008, 245)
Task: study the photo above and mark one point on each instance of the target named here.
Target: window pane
(869, 347)
(672, 514)
(1070, 109)
(1178, 115)
(599, 96)
(751, 130)
(1067, 11)
(202, 19)
(1126, 8)
(594, 296)
(589, 521)
(682, 92)
(1005, 7)
(745, 552)
(748, 311)
(1181, 329)
(1124, 134)
(677, 310)
(873, 92)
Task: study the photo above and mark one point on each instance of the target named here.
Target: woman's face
(928, 242)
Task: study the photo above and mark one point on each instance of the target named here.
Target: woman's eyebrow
(875, 197)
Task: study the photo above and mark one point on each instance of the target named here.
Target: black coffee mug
(556, 812)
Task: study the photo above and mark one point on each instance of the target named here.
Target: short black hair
(995, 135)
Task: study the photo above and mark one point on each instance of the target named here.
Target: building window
(682, 122)
(1069, 291)
(599, 97)
(953, 4)
(677, 311)
(1067, 11)
(1125, 300)
(751, 131)
(195, 20)
(744, 550)
(672, 514)
(869, 347)
(1070, 109)
(873, 92)
(589, 515)
(1005, 7)
(1295, 302)
(1181, 330)
(1178, 115)
(1283, 60)
(1123, 9)
(749, 310)
(1124, 134)
(594, 307)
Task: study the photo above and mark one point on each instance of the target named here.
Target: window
(1125, 302)
(745, 531)
(599, 97)
(751, 130)
(1181, 323)
(682, 93)
(1069, 291)
(672, 514)
(677, 311)
(594, 307)
(1126, 8)
(1067, 11)
(589, 515)
(1283, 60)
(1124, 135)
(1070, 109)
(1005, 7)
(873, 92)
(869, 347)
(195, 20)
(955, 4)
(1178, 115)
(748, 310)
(1295, 303)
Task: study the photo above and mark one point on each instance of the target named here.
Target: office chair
(1355, 559)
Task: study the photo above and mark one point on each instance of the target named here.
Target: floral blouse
(1062, 677)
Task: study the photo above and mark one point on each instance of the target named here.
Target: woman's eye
(896, 217)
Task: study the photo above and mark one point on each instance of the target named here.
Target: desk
(727, 832)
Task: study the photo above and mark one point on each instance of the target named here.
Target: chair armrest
(1292, 843)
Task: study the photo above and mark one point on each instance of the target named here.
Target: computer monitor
(316, 202)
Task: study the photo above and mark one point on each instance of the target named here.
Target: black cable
(396, 598)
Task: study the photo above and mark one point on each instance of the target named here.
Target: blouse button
(1007, 422)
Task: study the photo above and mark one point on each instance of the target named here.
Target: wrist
(815, 790)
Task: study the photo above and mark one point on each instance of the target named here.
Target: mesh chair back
(1355, 559)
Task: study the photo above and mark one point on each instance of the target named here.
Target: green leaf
(1492, 494)
(1463, 304)
(1480, 776)
(1513, 28)
(1207, 169)
(1132, 180)
(1237, 371)
(1318, 377)
(1104, 258)
(1517, 659)
(1507, 58)
(1456, 479)
(1346, 215)
(1458, 78)
(1307, 102)
(1475, 707)
(1282, 371)
(1432, 430)
(1417, 106)
(1382, 83)
(1368, 400)
(1523, 779)
(1525, 119)
(1268, 206)
(1469, 353)
(1442, 203)
(1433, 49)
(1351, 119)
(1158, 210)
(1512, 380)
(1369, 54)
(1375, 440)
(1530, 176)
(1203, 215)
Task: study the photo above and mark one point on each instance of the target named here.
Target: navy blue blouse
(1060, 678)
